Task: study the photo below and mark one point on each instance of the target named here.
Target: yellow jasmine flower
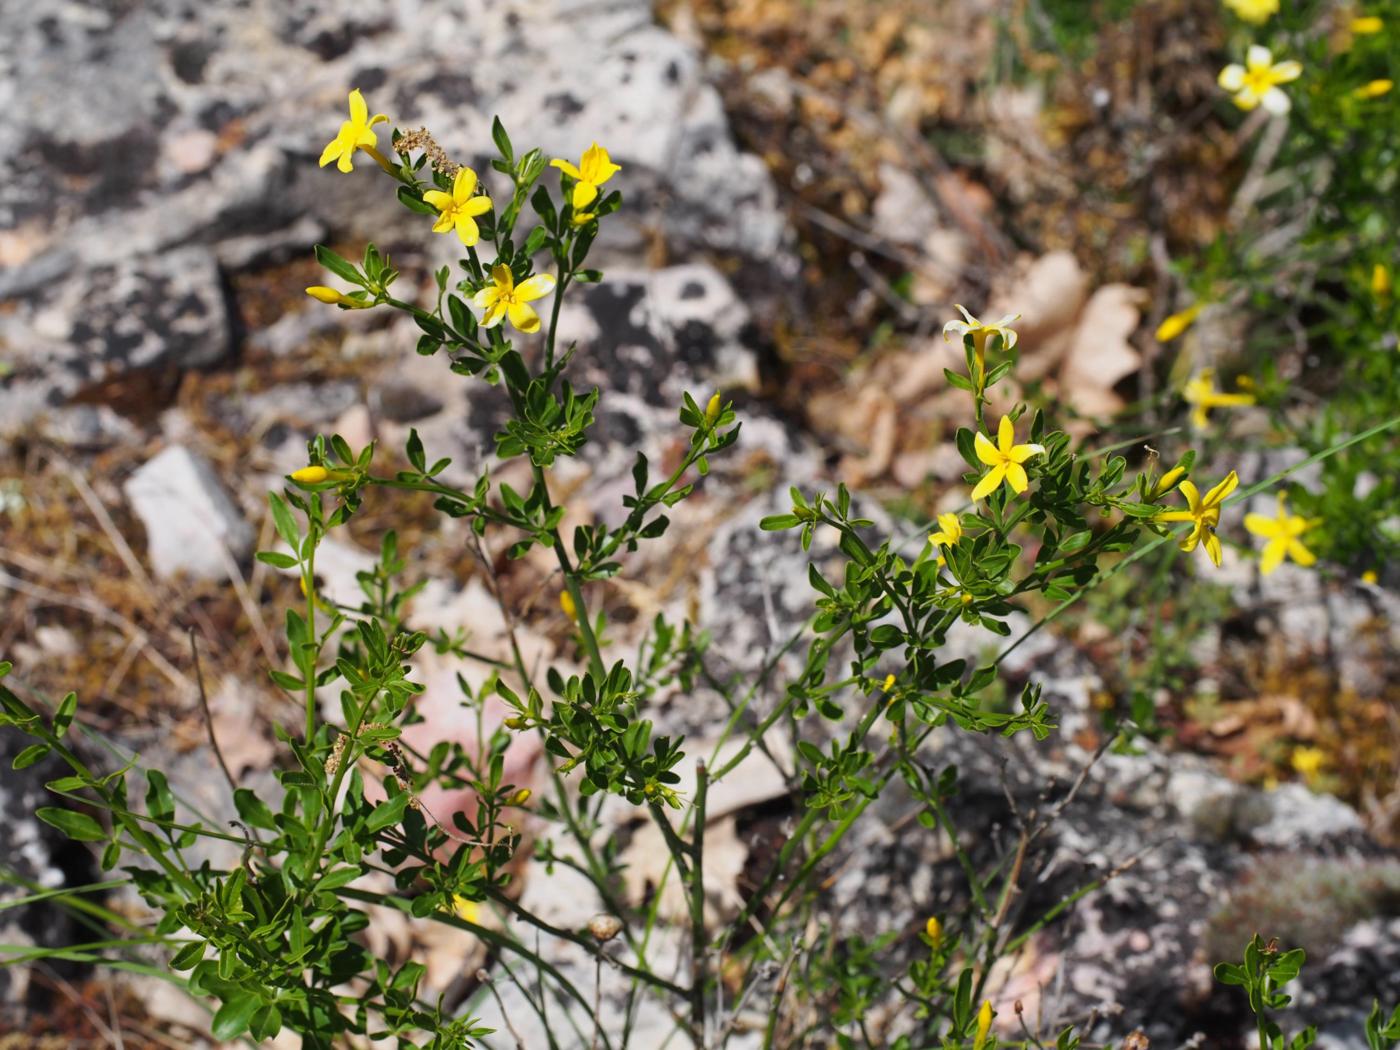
(984, 1025)
(566, 602)
(1367, 25)
(323, 294)
(1177, 323)
(1256, 82)
(949, 529)
(1204, 514)
(1005, 459)
(1380, 280)
(982, 332)
(933, 929)
(1201, 394)
(1282, 534)
(503, 297)
(1253, 11)
(465, 909)
(458, 210)
(1168, 481)
(355, 133)
(595, 167)
(1308, 761)
(312, 475)
(1375, 89)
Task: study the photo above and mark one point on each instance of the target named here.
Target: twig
(208, 715)
(485, 978)
(697, 905)
(119, 544)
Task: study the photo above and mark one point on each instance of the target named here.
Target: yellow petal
(1016, 475)
(1261, 526)
(986, 451)
(1283, 72)
(567, 168)
(596, 165)
(323, 294)
(1174, 515)
(500, 273)
(1367, 25)
(1217, 495)
(523, 316)
(467, 229)
(463, 185)
(540, 284)
(951, 525)
(1021, 453)
(484, 299)
(1188, 543)
(438, 199)
(478, 205)
(443, 223)
(989, 483)
(493, 314)
(359, 112)
(585, 193)
(330, 153)
(1231, 78)
(1301, 554)
(1006, 435)
(1213, 548)
(1193, 497)
(1177, 323)
(344, 164)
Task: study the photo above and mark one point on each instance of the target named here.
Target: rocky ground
(160, 371)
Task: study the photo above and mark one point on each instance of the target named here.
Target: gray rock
(192, 525)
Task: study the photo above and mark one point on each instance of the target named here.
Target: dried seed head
(1136, 1041)
(604, 927)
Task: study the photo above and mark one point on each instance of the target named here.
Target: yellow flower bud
(1177, 323)
(1168, 481)
(712, 409)
(520, 797)
(312, 475)
(966, 598)
(1370, 576)
(984, 1025)
(515, 722)
(1375, 89)
(1367, 25)
(330, 296)
(889, 683)
(1380, 280)
(566, 602)
(934, 929)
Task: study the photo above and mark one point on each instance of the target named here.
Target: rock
(192, 526)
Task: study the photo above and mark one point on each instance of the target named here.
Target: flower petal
(443, 223)
(464, 185)
(1283, 72)
(500, 273)
(1016, 475)
(1261, 526)
(567, 168)
(1193, 497)
(1258, 57)
(330, 153)
(986, 451)
(1021, 453)
(534, 287)
(478, 205)
(359, 112)
(494, 314)
(1231, 78)
(989, 483)
(1188, 544)
(1213, 548)
(1301, 554)
(484, 299)
(438, 199)
(1272, 557)
(1276, 101)
(1006, 435)
(1217, 495)
(523, 316)
(585, 193)
(467, 229)
(960, 327)
(1247, 99)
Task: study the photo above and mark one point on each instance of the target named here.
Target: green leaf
(63, 717)
(234, 1016)
(276, 559)
(188, 956)
(31, 754)
(386, 813)
(502, 140)
(778, 522)
(338, 266)
(253, 810)
(77, 826)
(282, 518)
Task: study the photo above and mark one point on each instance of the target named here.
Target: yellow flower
(1204, 514)
(1201, 394)
(312, 475)
(595, 167)
(982, 332)
(984, 1025)
(1371, 576)
(329, 295)
(566, 602)
(1380, 281)
(1308, 761)
(1005, 459)
(949, 529)
(1256, 82)
(465, 909)
(458, 210)
(1168, 481)
(1367, 25)
(1254, 11)
(1177, 323)
(1375, 89)
(933, 929)
(355, 133)
(713, 408)
(582, 218)
(888, 683)
(504, 297)
(1282, 534)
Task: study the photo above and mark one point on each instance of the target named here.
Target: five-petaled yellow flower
(458, 210)
(1005, 459)
(595, 167)
(1257, 81)
(1177, 323)
(1204, 514)
(982, 332)
(503, 297)
(1201, 395)
(984, 1025)
(1255, 11)
(1282, 535)
(1374, 89)
(355, 133)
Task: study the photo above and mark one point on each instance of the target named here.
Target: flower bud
(1177, 323)
(1168, 481)
(566, 602)
(332, 297)
(712, 409)
(515, 722)
(312, 475)
(934, 930)
(1374, 89)
(889, 683)
(1367, 25)
(520, 797)
(604, 927)
(1380, 281)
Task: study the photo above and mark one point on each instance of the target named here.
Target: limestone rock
(192, 525)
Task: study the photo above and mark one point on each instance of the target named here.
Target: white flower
(1256, 82)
